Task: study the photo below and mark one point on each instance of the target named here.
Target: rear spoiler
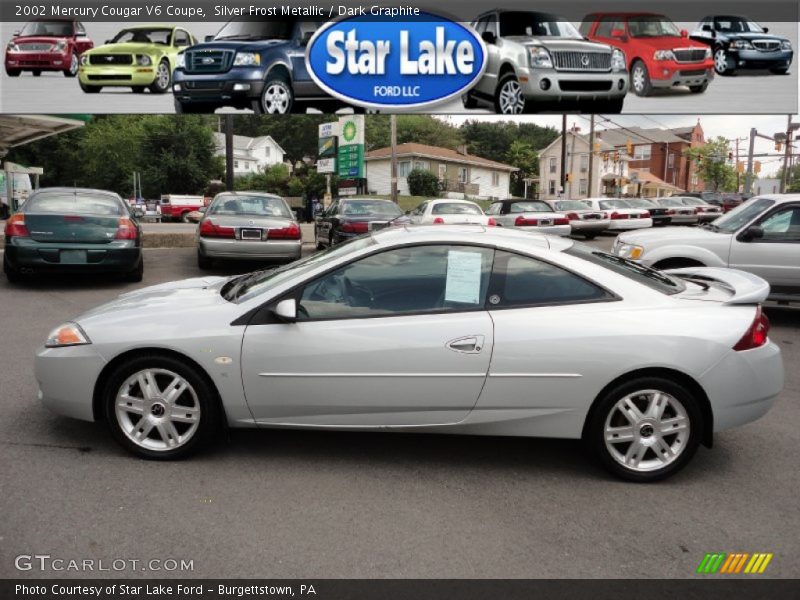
(746, 287)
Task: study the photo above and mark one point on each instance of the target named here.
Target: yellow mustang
(137, 57)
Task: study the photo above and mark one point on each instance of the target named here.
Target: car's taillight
(126, 230)
(561, 221)
(615, 216)
(208, 229)
(756, 335)
(521, 221)
(697, 211)
(15, 227)
(438, 221)
(573, 216)
(292, 232)
(644, 215)
(491, 222)
(361, 227)
(670, 212)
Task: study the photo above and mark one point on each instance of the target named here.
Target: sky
(727, 126)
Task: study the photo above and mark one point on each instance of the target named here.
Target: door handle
(471, 344)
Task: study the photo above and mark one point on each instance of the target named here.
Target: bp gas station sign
(350, 157)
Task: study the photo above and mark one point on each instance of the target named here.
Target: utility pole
(574, 132)
(393, 125)
(229, 153)
(790, 127)
(591, 157)
(563, 152)
(748, 180)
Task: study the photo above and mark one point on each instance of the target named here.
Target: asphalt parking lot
(320, 504)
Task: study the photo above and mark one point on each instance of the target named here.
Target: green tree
(521, 155)
(111, 151)
(421, 129)
(493, 139)
(712, 165)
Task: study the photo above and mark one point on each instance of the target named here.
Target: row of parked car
(533, 58)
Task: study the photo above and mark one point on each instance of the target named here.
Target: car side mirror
(684, 33)
(766, 29)
(305, 38)
(706, 28)
(15, 34)
(109, 42)
(286, 310)
(754, 232)
(489, 37)
(209, 38)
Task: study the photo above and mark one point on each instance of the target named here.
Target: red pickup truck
(175, 207)
(52, 45)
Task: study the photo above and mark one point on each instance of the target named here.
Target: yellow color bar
(764, 564)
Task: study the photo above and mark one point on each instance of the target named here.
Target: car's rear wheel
(73, 66)
(645, 430)
(136, 274)
(589, 236)
(185, 217)
(90, 89)
(163, 78)
(640, 79)
(159, 407)
(509, 98)
(12, 274)
(36, 73)
(203, 262)
(277, 97)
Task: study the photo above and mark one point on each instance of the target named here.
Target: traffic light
(757, 167)
(730, 156)
(567, 177)
(629, 147)
(740, 167)
(778, 146)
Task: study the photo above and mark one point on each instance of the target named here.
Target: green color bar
(704, 563)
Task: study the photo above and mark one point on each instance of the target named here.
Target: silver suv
(537, 57)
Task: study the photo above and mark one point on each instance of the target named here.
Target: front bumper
(120, 76)
(550, 84)
(250, 250)
(756, 59)
(38, 61)
(669, 73)
(66, 379)
(118, 256)
(237, 87)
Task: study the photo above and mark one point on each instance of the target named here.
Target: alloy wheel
(276, 98)
(720, 61)
(647, 430)
(157, 409)
(638, 78)
(511, 100)
(162, 76)
(73, 64)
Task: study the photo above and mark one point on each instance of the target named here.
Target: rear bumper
(66, 379)
(685, 219)
(117, 257)
(744, 385)
(245, 250)
(120, 76)
(589, 226)
(626, 224)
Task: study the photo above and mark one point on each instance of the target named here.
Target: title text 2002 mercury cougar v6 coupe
(458, 329)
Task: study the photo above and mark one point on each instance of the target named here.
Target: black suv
(741, 43)
(260, 65)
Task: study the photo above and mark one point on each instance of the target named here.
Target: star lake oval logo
(414, 62)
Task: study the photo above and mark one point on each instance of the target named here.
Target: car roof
(781, 198)
(349, 199)
(75, 190)
(512, 200)
(248, 193)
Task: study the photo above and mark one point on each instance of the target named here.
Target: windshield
(639, 203)
(692, 201)
(606, 204)
(653, 279)
(741, 215)
(251, 206)
(531, 24)
(258, 30)
(364, 208)
(570, 205)
(649, 27)
(251, 285)
(736, 25)
(144, 36)
(48, 28)
(518, 207)
(58, 202)
(456, 208)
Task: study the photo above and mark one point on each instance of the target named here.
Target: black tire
(509, 85)
(210, 421)
(699, 89)
(783, 71)
(276, 98)
(162, 87)
(90, 89)
(12, 274)
(36, 73)
(138, 89)
(137, 274)
(74, 64)
(13, 72)
(193, 108)
(604, 409)
(469, 101)
(640, 86)
(589, 236)
(204, 262)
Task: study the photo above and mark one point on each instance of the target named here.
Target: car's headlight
(617, 60)
(59, 46)
(181, 61)
(631, 251)
(143, 60)
(84, 59)
(708, 53)
(540, 57)
(68, 334)
(786, 45)
(12, 47)
(247, 59)
(663, 55)
(741, 44)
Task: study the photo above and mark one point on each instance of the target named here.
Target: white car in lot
(461, 329)
(529, 215)
(621, 214)
(679, 212)
(582, 219)
(761, 236)
(445, 211)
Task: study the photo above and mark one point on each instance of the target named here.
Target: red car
(658, 54)
(53, 45)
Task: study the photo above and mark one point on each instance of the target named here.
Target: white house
(461, 174)
(250, 155)
(609, 169)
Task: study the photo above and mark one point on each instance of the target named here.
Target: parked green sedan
(138, 57)
(72, 230)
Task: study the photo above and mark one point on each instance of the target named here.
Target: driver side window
(782, 226)
(402, 281)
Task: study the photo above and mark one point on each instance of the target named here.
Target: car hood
(241, 46)
(128, 48)
(669, 43)
(767, 37)
(39, 39)
(560, 43)
(670, 235)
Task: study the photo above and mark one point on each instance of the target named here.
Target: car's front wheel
(204, 262)
(277, 97)
(721, 62)
(73, 65)
(640, 79)
(163, 78)
(160, 407)
(699, 89)
(509, 98)
(13, 72)
(645, 430)
(781, 71)
(90, 89)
